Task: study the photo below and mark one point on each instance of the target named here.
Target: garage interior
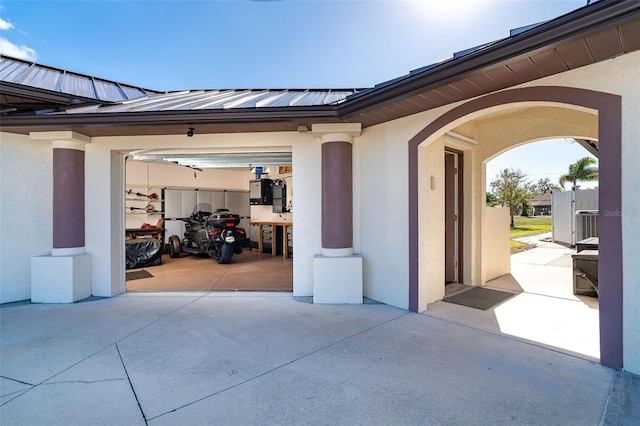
(164, 188)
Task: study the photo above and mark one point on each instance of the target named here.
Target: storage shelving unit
(143, 204)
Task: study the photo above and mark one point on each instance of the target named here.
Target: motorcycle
(215, 234)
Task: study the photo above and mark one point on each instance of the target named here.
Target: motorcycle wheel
(226, 252)
(174, 247)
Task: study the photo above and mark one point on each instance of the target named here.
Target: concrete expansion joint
(16, 393)
(274, 369)
(83, 382)
(135, 395)
(17, 381)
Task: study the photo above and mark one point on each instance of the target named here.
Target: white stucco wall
(382, 200)
(631, 219)
(529, 123)
(431, 222)
(496, 260)
(26, 194)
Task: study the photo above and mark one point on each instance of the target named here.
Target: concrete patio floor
(544, 309)
(201, 357)
(193, 358)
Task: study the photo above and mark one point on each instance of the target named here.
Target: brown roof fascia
(254, 115)
(571, 25)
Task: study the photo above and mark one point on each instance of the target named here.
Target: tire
(226, 252)
(174, 247)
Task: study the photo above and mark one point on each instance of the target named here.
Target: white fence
(566, 224)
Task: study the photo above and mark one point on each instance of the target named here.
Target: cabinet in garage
(272, 235)
(179, 204)
(275, 238)
(279, 198)
(260, 192)
(289, 240)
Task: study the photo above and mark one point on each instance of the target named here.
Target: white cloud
(5, 25)
(20, 52)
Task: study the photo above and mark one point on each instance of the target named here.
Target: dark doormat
(479, 298)
(138, 275)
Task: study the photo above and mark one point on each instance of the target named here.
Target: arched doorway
(607, 109)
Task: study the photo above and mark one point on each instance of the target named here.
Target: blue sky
(174, 45)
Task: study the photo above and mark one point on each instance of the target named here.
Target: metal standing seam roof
(222, 99)
(19, 72)
(113, 97)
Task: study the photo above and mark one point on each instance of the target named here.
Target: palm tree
(580, 170)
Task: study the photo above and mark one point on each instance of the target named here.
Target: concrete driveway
(198, 358)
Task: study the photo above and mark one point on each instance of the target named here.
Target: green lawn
(525, 226)
(533, 225)
(517, 246)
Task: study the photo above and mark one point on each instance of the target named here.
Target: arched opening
(508, 119)
(551, 304)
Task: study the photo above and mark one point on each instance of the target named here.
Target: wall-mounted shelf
(145, 212)
(143, 201)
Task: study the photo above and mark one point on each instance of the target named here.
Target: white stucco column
(64, 276)
(337, 272)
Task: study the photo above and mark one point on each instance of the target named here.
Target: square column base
(337, 280)
(60, 279)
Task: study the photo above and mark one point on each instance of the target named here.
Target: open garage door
(164, 193)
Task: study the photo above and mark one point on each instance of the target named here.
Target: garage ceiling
(210, 160)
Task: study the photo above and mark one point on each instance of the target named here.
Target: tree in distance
(511, 189)
(545, 186)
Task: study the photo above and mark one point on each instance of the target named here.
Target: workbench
(135, 233)
(285, 245)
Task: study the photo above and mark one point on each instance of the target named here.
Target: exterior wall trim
(609, 108)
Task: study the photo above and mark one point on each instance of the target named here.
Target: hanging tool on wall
(149, 208)
(152, 196)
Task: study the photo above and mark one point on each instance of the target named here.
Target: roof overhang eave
(147, 118)
(589, 18)
(43, 95)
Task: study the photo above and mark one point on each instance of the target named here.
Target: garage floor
(249, 271)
